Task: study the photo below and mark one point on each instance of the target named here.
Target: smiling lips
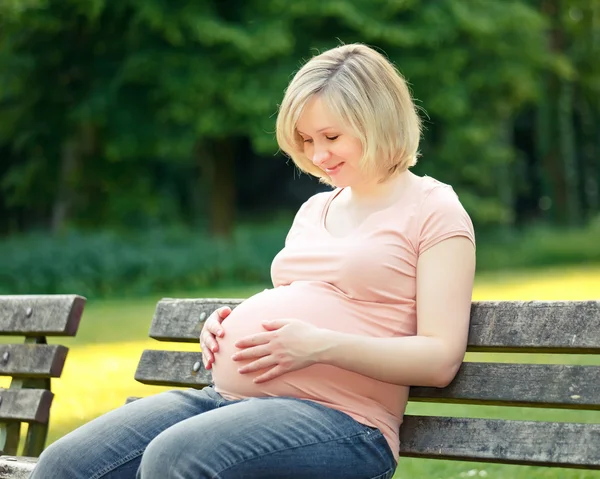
(334, 170)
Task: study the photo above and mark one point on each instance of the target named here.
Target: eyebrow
(318, 131)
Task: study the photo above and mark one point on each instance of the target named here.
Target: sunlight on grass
(549, 285)
(98, 378)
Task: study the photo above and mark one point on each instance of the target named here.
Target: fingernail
(220, 332)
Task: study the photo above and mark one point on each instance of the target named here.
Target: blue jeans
(199, 434)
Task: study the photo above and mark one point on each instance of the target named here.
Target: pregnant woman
(371, 294)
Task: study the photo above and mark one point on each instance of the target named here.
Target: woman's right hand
(210, 332)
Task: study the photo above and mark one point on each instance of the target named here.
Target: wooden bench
(500, 327)
(31, 364)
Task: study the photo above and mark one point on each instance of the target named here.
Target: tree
(136, 113)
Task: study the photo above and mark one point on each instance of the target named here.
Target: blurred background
(137, 146)
(138, 159)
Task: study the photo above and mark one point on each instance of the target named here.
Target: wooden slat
(12, 467)
(32, 360)
(172, 368)
(535, 326)
(180, 319)
(571, 445)
(496, 326)
(501, 441)
(538, 385)
(27, 405)
(32, 315)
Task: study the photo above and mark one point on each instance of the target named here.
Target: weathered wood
(510, 442)
(506, 326)
(33, 315)
(26, 405)
(32, 360)
(535, 326)
(570, 445)
(537, 385)
(182, 319)
(172, 368)
(12, 467)
(10, 435)
(35, 441)
(541, 385)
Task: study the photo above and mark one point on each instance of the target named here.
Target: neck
(375, 192)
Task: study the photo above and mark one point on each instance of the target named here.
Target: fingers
(252, 353)
(273, 324)
(208, 358)
(208, 340)
(213, 323)
(220, 314)
(262, 363)
(223, 312)
(211, 330)
(254, 340)
(270, 374)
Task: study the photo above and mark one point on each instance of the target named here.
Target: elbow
(445, 374)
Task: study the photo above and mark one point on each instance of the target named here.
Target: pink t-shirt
(363, 283)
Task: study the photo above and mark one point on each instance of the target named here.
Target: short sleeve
(443, 216)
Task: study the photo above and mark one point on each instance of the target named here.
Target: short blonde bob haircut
(370, 98)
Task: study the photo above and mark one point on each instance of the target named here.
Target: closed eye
(331, 138)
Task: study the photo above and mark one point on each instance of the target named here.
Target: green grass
(98, 375)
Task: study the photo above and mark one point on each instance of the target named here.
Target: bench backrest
(32, 363)
(499, 327)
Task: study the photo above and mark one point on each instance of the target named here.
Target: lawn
(99, 372)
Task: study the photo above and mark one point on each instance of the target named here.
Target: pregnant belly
(315, 304)
(367, 400)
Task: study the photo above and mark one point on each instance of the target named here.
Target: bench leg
(9, 437)
(35, 440)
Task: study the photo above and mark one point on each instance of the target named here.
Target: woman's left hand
(287, 345)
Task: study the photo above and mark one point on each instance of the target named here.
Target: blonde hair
(368, 95)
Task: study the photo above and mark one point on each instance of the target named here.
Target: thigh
(278, 438)
(111, 445)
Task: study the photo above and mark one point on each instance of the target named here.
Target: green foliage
(538, 247)
(148, 85)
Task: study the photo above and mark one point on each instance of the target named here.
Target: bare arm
(445, 276)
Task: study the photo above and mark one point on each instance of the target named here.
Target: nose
(320, 156)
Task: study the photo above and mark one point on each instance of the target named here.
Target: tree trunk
(505, 178)
(553, 201)
(567, 152)
(548, 127)
(218, 164)
(591, 159)
(61, 209)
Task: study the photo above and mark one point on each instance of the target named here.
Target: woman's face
(330, 146)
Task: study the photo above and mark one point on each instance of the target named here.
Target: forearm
(411, 361)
